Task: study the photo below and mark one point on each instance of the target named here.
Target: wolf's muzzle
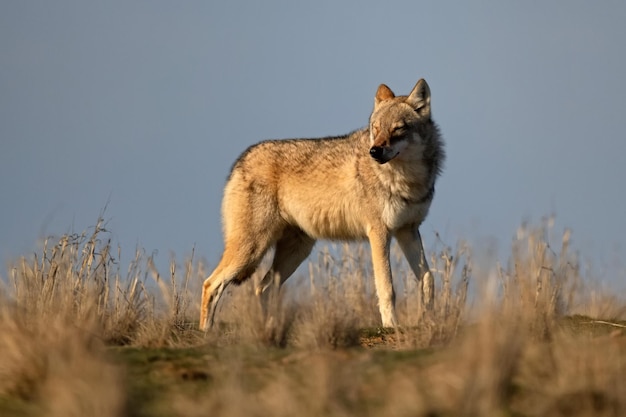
(378, 153)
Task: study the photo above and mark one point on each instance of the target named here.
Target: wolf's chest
(398, 212)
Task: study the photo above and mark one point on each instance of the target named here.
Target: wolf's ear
(419, 98)
(383, 93)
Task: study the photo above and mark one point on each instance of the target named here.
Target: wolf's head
(394, 123)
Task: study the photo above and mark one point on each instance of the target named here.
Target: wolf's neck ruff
(424, 199)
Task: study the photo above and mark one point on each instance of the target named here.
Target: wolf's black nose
(376, 152)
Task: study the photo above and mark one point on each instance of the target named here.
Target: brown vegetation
(79, 337)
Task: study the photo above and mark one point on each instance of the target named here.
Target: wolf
(376, 183)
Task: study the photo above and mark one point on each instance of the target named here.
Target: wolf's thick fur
(375, 183)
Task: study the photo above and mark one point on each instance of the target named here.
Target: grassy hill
(529, 338)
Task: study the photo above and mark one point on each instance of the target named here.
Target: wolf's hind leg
(291, 249)
(236, 265)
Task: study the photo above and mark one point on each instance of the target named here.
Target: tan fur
(375, 183)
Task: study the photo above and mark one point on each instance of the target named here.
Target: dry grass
(81, 338)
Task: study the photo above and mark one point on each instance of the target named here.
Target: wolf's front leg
(410, 242)
(428, 290)
(379, 242)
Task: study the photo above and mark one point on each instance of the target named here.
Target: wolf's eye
(399, 130)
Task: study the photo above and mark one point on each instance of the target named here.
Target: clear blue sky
(145, 105)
